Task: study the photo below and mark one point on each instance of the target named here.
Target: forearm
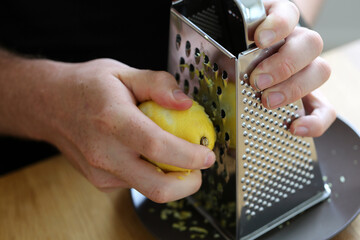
(24, 89)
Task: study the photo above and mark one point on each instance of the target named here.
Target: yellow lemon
(192, 125)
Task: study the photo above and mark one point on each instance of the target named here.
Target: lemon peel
(192, 125)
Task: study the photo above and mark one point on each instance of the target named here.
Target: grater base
(319, 222)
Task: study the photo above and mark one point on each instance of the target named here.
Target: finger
(99, 175)
(322, 115)
(104, 180)
(282, 18)
(113, 189)
(300, 49)
(124, 163)
(159, 186)
(159, 86)
(299, 85)
(138, 132)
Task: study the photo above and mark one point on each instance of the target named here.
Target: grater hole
(182, 64)
(271, 154)
(177, 78)
(178, 41)
(201, 75)
(216, 165)
(186, 86)
(222, 154)
(196, 90)
(217, 128)
(206, 59)
(218, 91)
(197, 55)
(187, 48)
(213, 104)
(223, 114)
(215, 67)
(224, 173)
(191, 68)
(192, 71)
(224, 75)
(227, 136)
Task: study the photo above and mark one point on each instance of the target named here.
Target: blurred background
(338, 22)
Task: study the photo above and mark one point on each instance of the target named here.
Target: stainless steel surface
(253, 13)
(274, 168)
(263, 174)
(340, 170)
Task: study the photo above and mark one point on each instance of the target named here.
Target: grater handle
(253, 13)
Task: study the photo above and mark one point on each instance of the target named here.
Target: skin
(295, 70)
(89, 110)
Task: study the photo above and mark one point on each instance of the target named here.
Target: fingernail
(180, 95)
(301, 131)
(266, 37)
(275, 99)
(263, 81)
(209, 160)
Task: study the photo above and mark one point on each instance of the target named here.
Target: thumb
(282, 18)
(159, 86)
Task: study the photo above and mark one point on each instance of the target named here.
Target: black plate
(339, 153)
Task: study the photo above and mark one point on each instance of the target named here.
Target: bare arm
(24, 87)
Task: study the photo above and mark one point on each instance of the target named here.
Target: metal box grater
(263, 175)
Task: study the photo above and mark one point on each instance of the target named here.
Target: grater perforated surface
(263, 174)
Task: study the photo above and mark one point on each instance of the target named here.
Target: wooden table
(50, 200)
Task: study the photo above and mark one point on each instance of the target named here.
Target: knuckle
(287, 68)
(152, 146)
(103, 180)
(94, 162)
(316, 40)
(197, 184)
(319, 130)
(263, 66)
(160, 76)
(102, 120)
(103, 61)
(331, 114)
(282, 21)
(323, 125)
(102, 66)
(294, 8)
(324, 68)
(160, 194)
(296, 92)
(95, 180)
